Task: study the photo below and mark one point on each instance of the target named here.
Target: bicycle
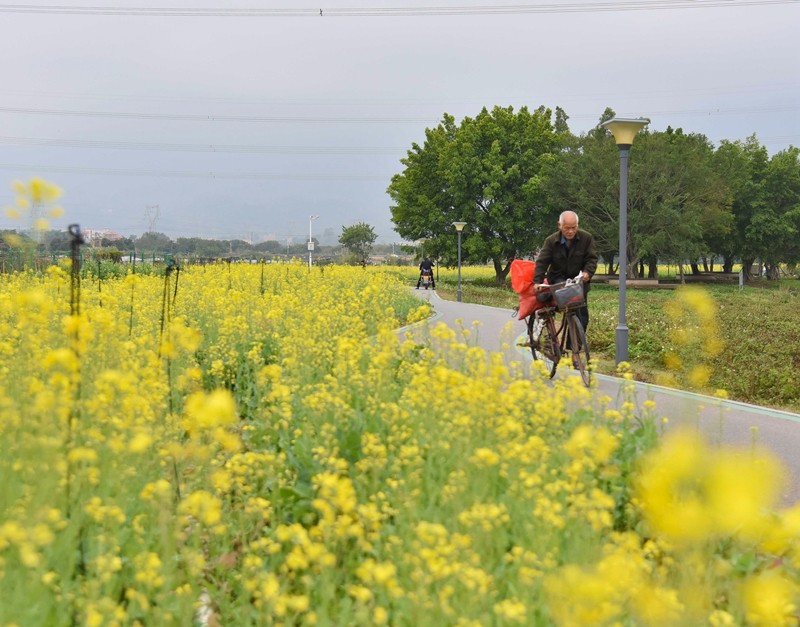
(549, 343)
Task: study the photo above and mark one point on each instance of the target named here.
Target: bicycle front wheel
(544, 342)
(579, 348)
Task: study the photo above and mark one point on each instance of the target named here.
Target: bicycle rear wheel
(544, 342)
(579, 348)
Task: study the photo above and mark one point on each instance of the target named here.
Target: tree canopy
(486, 172)
(358, 240)
(509, 175)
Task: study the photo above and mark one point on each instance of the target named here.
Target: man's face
(568, 226)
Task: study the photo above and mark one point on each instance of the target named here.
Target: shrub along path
(721, 420)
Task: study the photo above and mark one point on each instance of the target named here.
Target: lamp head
(459, 226)
(625, 129)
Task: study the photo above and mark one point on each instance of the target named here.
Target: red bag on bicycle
(522, 283)
(522, 274)
(528, 303)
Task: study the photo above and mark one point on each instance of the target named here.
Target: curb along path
(724, 421)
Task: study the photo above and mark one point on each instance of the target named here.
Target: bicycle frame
(549, 342)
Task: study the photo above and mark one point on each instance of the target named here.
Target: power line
(189, 117)
(213, 148)
(395, 101)
(350, 120)
(462, 10)
(192, 173)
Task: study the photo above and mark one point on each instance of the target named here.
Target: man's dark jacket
(560, 263)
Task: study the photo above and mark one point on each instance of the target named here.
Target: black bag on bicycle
(570, 297)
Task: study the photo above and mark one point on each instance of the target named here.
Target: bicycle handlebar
(546, 287)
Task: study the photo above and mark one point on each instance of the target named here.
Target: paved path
(725, 421)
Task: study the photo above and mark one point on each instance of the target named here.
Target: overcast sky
(205, 120)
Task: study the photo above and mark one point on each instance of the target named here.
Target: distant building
(95, 237)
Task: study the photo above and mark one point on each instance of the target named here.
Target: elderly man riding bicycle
(564, 254)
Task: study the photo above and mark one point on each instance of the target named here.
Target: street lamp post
(624, 131)
(459, 227)
(310, 240)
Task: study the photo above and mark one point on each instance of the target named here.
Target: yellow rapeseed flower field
(249, 444)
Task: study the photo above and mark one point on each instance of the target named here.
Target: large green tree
(487, 172)
(679, 201)
(772, 233)
(783, 192)
(743, 166)
(358, 240)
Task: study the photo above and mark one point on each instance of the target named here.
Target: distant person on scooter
(426, 267)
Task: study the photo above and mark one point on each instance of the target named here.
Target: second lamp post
(623, 130)
(459, 227)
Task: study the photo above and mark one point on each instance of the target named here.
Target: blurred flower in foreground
(695, 337)
(33, 201)
(690, 492)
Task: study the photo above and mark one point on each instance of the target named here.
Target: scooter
(426, 278)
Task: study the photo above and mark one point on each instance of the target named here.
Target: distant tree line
(509, 175)
(356, 245)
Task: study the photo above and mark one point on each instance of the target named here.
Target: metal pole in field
(459, 227)
(310, 240)
(624, 130)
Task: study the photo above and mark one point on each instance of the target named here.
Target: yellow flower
(159, 490)
(596, 442)
(203, 506)
(149, 569)
(721, 618)
(380, 616)
(688, 491)
(29, 555)
(673, 361)
(206, 411)
(140, 442)
(511, 610)
(699, 375)
(769, 599)
(485, 457)
(359, 593)
(40, 190)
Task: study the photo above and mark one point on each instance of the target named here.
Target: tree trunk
(695, 268)
(500, 272)
(747, 268)
(772, 271)
(680, 273)
(633, 267)
(727, 263)
(652, 271)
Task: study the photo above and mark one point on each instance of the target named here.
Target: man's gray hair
(563, 213)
